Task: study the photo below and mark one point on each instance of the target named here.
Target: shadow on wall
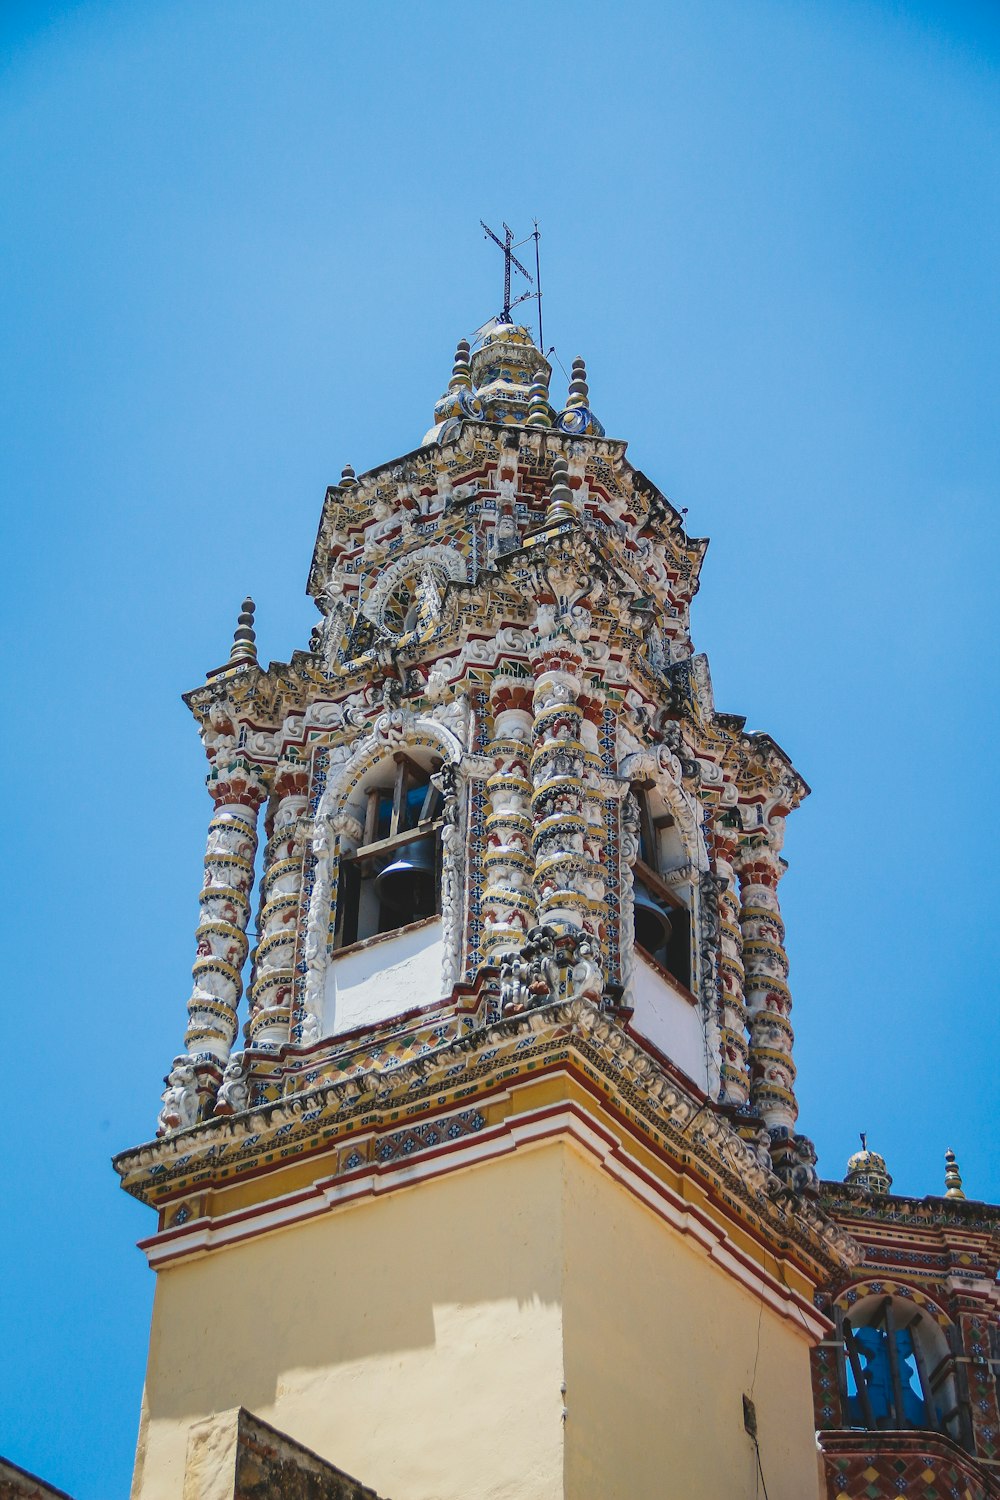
(373, 1280)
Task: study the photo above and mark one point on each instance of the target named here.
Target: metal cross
(509, 259)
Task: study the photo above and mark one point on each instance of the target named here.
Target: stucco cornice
(683, 1129)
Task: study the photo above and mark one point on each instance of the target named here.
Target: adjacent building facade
(494, 1185)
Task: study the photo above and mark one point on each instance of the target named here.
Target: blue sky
(240, 242)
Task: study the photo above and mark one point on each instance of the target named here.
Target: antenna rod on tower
(538, 285)
(509, 258)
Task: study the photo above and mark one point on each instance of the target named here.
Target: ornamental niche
(496, 780)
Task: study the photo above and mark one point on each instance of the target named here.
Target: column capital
(237, 779)
(291, 779)
(757, 860)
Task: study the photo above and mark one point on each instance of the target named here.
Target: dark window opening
(394, 876)
(662, 920)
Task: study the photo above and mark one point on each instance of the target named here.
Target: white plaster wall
(395, 975)
(669, 1021)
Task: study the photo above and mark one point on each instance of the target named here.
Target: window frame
(650, 876)
(372, 854)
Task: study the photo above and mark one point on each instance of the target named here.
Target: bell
(652, 925)
(408, 884)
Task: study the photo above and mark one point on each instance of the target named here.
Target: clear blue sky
(240, 241)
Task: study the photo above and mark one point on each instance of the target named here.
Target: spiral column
(508, 902)
(568, 878)
(594, 811)
(768, 999)
(281, 885)
(735, 1070)
(222, 930)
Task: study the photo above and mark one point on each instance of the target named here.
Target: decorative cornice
(843, 1199)
(575, 1035)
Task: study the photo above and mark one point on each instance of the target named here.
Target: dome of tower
(504, 368)
(867, 1169)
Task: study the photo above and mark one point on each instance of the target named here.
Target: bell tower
(493, 1186)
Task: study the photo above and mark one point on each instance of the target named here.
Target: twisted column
(281, 884)
(595, 836)
(238, 792)
(629, 825)
(735, 1073)
(568, 878)
(508, 904)
(768, 1000)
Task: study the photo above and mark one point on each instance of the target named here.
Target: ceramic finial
(348, 479)
(539, 411)
(461, 374)
(952, 1176)
(560, 506)
(579, 390)
(244, 638)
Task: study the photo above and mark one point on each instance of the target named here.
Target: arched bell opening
(897, 1369)
(661, 903)
(393, 878)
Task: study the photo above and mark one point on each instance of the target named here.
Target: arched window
(897, 1369)
(393, 877)
(661, 906)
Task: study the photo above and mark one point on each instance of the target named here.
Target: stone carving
(794, 1158)
(586, 982)
(180, 1097)
(550, 965)
(219, 732)
(441, 563)
(760, 1145)
(234, 1091)
(530, 977)
(515, 979)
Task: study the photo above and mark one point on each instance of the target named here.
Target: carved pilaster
(281, 885)
(768, 999)
(734, 1067)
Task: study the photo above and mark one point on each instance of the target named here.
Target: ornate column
(628, 853)
(768, 1000)
(568, 877)
(281, 885)
(237, 789)
(734, 1069)
(595, 838)
(508, 905)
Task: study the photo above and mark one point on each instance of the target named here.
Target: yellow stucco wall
(414, 1340)
(420, 1341)
(659, 1347)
